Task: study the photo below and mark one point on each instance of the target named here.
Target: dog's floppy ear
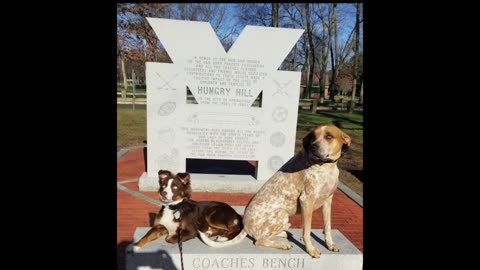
(184, 178)
(346, 139)
(346, 142)
(308, 140)
(163, 174)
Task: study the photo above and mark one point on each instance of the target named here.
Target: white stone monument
(223, 125)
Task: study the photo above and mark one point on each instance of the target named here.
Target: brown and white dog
(210, 218)
(305, 183)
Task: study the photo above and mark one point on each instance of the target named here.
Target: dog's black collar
(319, 160)
(176, 207)
(342, 153)
(329, 161)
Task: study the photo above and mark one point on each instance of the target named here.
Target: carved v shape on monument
(223, 125)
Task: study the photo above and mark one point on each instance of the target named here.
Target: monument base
(245, 255)
(230, 183)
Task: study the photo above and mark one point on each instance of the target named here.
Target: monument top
(186, 39)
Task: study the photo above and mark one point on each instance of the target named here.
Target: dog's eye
(164, 186)
(174, 187)
(329, 137)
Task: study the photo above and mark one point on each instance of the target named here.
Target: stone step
(230, 183)
(245, 255)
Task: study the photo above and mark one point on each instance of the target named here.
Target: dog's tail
(237, 239)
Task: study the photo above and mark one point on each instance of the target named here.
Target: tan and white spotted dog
(305, 183)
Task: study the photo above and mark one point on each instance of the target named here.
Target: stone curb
(350, 193)
(125, 150)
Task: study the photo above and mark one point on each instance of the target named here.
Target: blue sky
(345, 13)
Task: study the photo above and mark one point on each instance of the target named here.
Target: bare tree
(332, 56)
(124, 75)
(355, 63)
(310, 43)
(254, 14)
(342, 51)
(138, 43)
(292, 12)
(294, 56)
(335, 31)
(274, 14)
(361, 94)
(324, 31)
(311, 50)
(322, 37)
(132, 31)
(213, 13)
(325, 42)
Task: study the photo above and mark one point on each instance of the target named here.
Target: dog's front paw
(283, 234)
(172, 239)
(281, 245)
(314, 252)
(286, 246)
(132, 248)
(333, 247)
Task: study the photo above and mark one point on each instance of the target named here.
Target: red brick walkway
(132, 212)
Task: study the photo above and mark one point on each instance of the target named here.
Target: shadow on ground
(155, 260)
(358, 174)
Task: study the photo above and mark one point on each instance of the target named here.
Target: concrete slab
(196, 255)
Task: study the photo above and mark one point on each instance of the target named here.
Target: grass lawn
(131, 127)
(132, 130)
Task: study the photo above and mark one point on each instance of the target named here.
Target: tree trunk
(133, 89)
(335, 30)
(326, 40)
(124, 91)
(275, 14)
(332, 55)
(306, 93)
(314, 106)
(311, 49)
(324, 61)
(294, 60)
(355, 63)
(361, 94)
(352, 101)
(332, 83)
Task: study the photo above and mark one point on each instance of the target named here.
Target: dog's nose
(163, 193)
